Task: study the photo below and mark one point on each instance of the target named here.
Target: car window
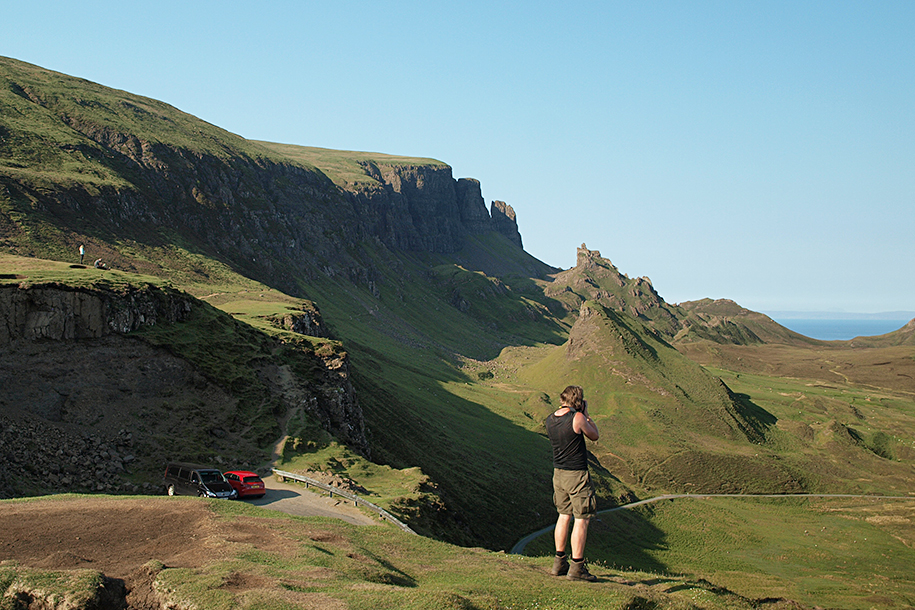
(252, 479)
(211, 476)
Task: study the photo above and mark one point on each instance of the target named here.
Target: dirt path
(296, 500)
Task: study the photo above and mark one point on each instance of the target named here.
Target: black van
(194, 480)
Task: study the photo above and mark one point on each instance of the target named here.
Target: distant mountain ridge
(841, 315)
(717, 321)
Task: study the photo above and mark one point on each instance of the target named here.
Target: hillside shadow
(618, 538)
(479, 462)
(756, 418)
(626, 540)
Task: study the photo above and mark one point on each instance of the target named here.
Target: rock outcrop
(505, 222)
(474, 216)
(422, 208)
(305, 322)
(64, 313)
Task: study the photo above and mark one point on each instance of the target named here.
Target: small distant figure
(82, 253)
(99, 264)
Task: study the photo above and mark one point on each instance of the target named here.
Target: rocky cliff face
(273, 221)
(596, 278)
(63, 313)
(505, 222)
(474, 216)
(422, 208)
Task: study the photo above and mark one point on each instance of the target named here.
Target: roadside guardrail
(283, 475)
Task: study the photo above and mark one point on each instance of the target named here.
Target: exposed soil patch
(112, 536)
(122, 537)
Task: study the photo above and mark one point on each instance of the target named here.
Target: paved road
(519, 547)
(294, 499)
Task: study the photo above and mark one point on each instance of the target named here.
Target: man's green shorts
(573, 493)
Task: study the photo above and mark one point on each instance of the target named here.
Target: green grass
(386, 485)
(843, 553)
(326, 561)
(343, 167)
(76, 159)
(25, 271)
(64, 588)
(842, 436)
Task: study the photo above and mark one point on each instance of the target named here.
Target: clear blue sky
(757, 151)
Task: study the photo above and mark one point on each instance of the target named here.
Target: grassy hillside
(822, 552)
(250, 558)
(724, 321)
(52, 146)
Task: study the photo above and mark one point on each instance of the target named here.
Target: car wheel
(170, 490)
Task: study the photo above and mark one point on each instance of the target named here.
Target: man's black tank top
(569, 451)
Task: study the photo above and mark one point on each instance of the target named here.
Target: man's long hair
(573, 397)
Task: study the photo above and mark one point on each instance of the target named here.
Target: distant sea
(840, 330)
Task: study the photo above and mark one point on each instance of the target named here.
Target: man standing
(573, 492)
(82, 253)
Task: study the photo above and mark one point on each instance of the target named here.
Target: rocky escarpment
(596, 278)
(62, 313)
(505, 222)
(423, 208)
(89, 406)
(140, 170)
(275, 221)
(722, 321)
(306, 321)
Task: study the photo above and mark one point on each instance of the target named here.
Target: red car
(247, 484)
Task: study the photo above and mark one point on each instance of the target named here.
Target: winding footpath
(518, 549)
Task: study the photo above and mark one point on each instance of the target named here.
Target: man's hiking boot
(560, 566)
(579, 571)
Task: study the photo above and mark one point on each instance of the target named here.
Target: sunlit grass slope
(55, 154)
(346, 168)
(653, 405)
(265, 560)
(823, 552)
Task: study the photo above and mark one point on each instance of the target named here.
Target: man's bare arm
(583, 424)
